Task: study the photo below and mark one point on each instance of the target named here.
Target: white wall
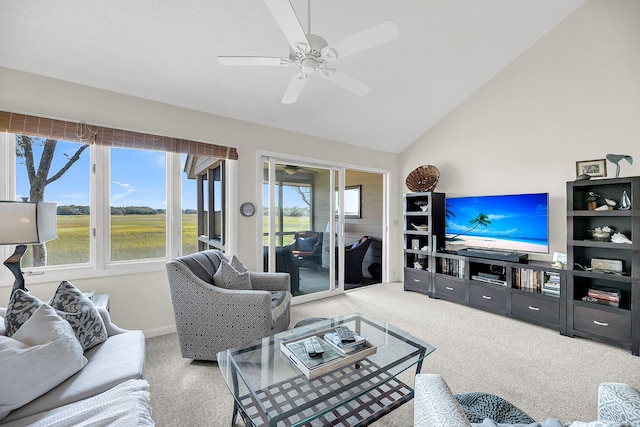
(574, 95)
(142, 300)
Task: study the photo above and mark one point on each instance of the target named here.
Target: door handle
(449, 288)
(534, 308)
(600, 323)
(416, 280)
(486, 297)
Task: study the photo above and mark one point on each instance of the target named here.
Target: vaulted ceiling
(166, 51)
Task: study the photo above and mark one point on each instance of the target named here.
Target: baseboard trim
(156, 332)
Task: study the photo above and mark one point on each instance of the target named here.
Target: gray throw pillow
(20, 308)
(238, 265)
(77, 309)
(228, 277)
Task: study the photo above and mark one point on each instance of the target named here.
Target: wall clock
(247, 209)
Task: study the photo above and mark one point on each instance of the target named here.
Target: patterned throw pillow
(77, 309)
(228, 277)
(20, 308)
(238, 265)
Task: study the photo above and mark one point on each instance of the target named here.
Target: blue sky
(138, 178)
(523, 215)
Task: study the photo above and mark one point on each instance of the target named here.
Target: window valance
(89, 134)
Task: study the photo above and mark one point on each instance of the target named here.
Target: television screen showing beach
(516, 222)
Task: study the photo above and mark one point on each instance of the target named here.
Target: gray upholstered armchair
(210, 319)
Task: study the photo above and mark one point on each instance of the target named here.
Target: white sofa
(436, 406)
(110, 386)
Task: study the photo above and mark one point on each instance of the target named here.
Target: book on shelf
(613, 295)
(452, 267)
(609, 298)
(531, 280)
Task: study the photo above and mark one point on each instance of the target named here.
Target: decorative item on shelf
(592, 201)
(422, 204)
(417, 265)
(620, 238)
(593, 168)
(25, 223)
(615, 159)
(423, 178)
(601, 234)
(425, 248)
(420, 227)
(559, 260)
(625, 201)
(415, 244)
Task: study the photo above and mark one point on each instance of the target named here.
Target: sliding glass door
(299, 224)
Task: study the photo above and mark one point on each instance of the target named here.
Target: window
(352, 202)
(189, 211)
(210, 222)
(93, 169)
(138, 220)
(56, 171)
(295, 215)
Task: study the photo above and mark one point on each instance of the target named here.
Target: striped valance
(90, 134)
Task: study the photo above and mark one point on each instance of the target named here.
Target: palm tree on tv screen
(481, 220)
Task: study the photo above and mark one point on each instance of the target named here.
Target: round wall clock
(247, 209)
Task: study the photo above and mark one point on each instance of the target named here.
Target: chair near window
(307, 246)
(210, 318)
(353, 258)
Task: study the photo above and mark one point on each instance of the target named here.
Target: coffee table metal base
(361, 411)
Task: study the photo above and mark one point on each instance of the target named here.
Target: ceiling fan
(293, 169)
(311, 54)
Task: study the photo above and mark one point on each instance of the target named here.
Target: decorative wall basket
(423, 178)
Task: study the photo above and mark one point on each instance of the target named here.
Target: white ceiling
(166, 51)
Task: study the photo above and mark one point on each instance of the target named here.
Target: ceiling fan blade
(349, 83)
(252, 60)
(295, 88)
(286, 18)
(358, 42)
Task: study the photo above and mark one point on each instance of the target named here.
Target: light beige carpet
(537, 369)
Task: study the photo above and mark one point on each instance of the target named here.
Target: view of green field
(135, 237)
(132, 237)
(290, 224)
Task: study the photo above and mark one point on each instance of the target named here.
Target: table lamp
(22, 224)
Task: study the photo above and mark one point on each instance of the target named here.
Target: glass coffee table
(268, 390)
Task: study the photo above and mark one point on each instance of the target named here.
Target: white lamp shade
(23, 223)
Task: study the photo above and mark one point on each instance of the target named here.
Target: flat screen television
(514, 222)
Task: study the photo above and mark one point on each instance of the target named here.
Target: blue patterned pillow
(306, 243)
(228, 277)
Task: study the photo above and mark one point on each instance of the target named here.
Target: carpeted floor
(540, 371)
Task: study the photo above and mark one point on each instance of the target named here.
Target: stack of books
(551, 285)
(599, 296)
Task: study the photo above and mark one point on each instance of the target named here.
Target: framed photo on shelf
(593, 168)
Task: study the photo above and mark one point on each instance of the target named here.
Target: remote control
(345, 334)
(313, 347)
